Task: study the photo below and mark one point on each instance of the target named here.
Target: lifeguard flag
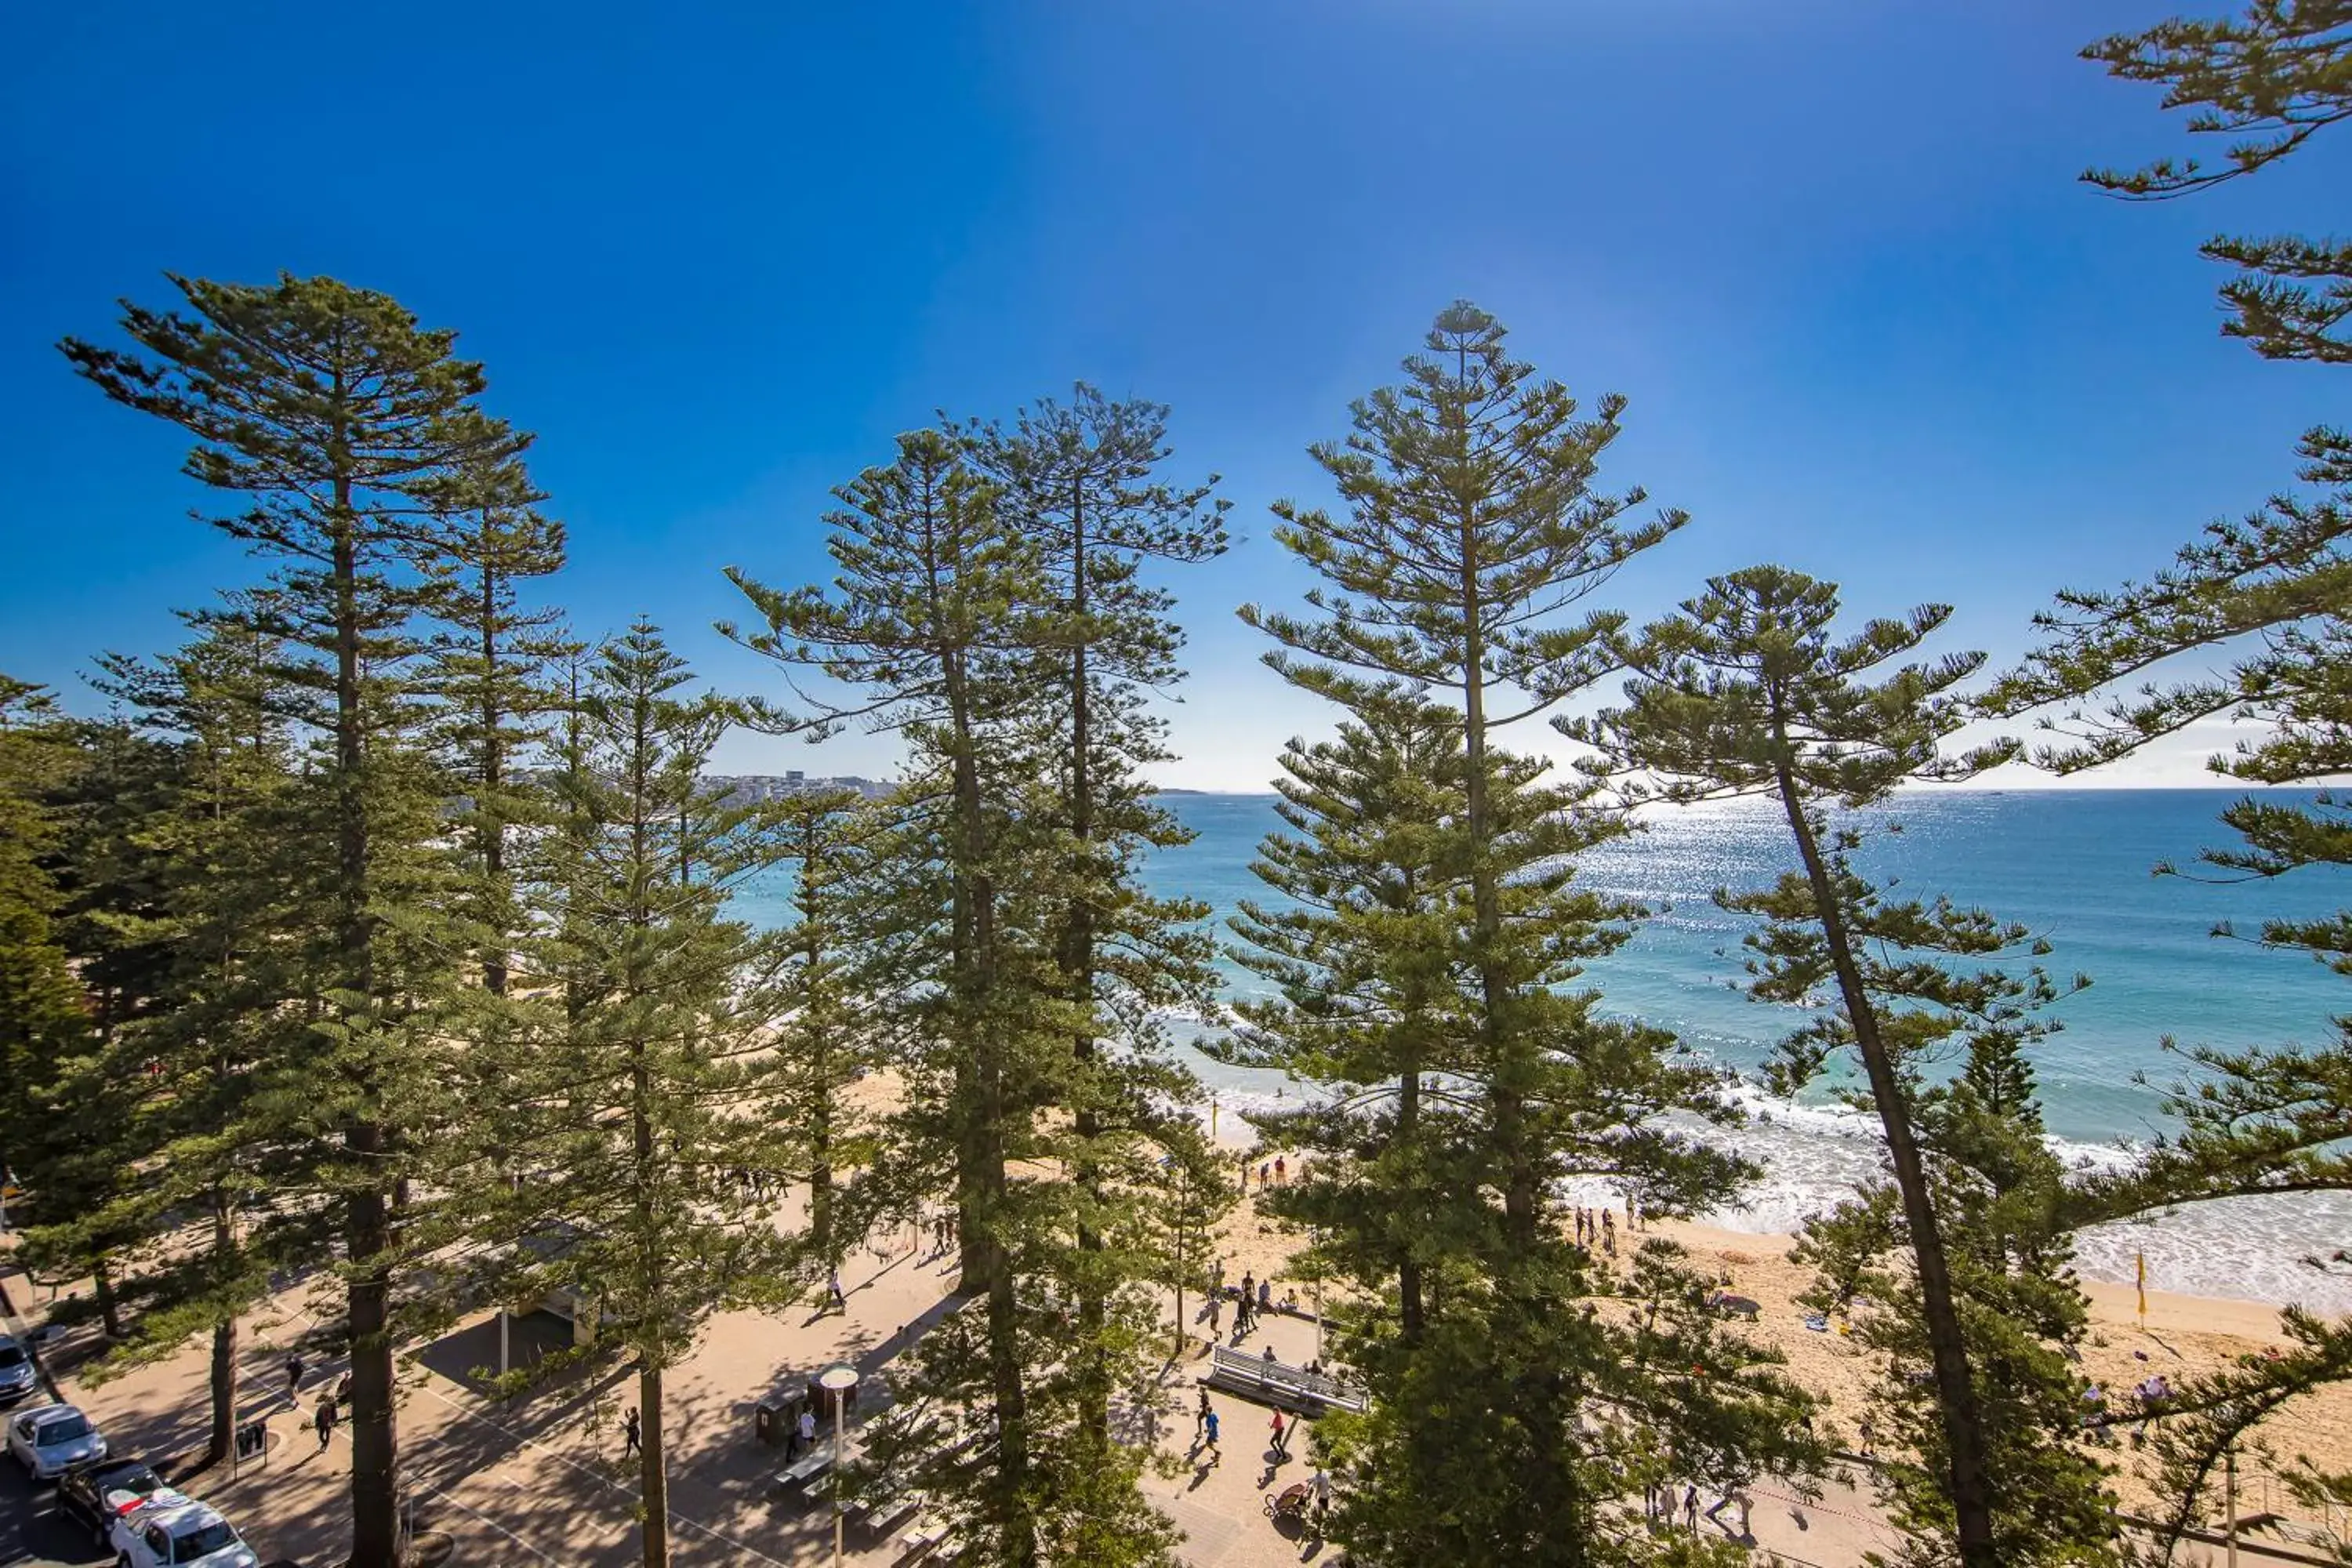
(2143, 1288)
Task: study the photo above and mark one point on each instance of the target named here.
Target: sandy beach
(2183, 1335)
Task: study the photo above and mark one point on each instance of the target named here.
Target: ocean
(2074, 865)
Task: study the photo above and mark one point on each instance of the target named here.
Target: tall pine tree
(1747, 692)
(342, 429)
(2250, 621)
(1471, 527)
(939, 625)
(207, 1051)
(1077, 480)
(657, 1080)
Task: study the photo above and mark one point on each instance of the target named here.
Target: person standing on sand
(293, 1378)
(840, 1302)
(632, 1433)
(1281, 1438)
(1321, 1481)
(1281, 1172)
(808, 1430)
(323, 1418)
(1200, 1421)
(1690, 1509)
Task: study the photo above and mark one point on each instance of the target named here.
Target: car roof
(176, 1514)
(42, 1416)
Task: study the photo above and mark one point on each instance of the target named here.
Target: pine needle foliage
(1078, 481)
(656, 1078)
(939, 625)
(339, 428)
(1471, 528)
(1750, 692)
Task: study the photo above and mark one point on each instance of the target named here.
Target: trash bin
(768, 1423)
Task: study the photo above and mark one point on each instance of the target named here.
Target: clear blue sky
(1834, 253)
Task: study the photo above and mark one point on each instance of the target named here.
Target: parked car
(53, 1440)
(173, 1532)
(97, 1495)
(17, 1376)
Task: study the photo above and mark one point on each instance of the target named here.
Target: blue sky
(1834, 254)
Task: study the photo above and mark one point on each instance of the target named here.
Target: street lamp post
(837, 1381)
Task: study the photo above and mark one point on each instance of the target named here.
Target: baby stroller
(1290, 1503)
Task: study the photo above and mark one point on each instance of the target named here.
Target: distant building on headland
(745, 788)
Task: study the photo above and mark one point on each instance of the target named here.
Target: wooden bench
(886, 1512)
(1277, 1383)
(807, 1468)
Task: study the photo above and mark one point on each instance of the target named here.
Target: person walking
(808, 1428)
(344, 1389)
(1321, 1481)
(632, 1433)
(1200, 1421)
(1213, 1455)
(1690, 1509)
(293, 1378)
(833, 1291)
(1281, 1438)
(1216, 1312)
(1281, 1172)
(323, 1418)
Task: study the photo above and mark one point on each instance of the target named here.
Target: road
(33, 1532)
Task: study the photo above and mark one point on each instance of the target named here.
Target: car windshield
(64, 1430)
(12, 1355)
(137, 1479)
(205, 1538)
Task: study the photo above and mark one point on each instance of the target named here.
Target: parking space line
(443, 1495)
(601, 1480)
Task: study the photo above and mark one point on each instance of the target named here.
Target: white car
(52, 1439)
(172, 1532)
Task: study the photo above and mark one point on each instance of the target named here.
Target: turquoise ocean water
(2074, 865)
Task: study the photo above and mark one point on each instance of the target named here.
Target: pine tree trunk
(109, 1307)
(1410, 1321)
(653, 1474)
(375, 1534)
(821, 1107)
(494, 833)
(1077, 964)
(223, 1437)
(219, 1445)
(1956, 1396)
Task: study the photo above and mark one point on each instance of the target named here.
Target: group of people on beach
(1274, 1173)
